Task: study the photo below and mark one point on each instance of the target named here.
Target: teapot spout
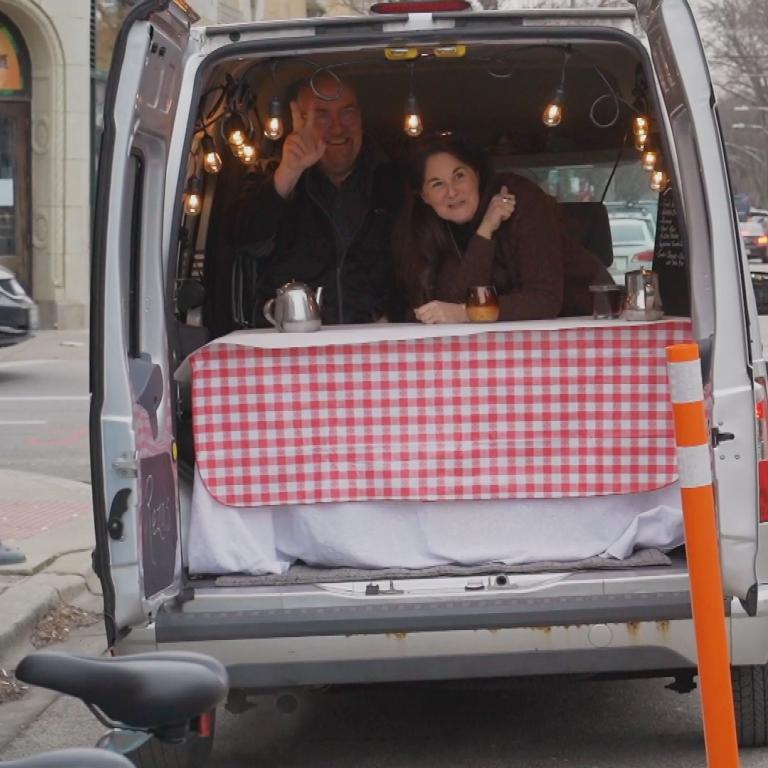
(319, 295)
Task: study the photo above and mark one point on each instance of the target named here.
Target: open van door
(722, 314)
(133, 453)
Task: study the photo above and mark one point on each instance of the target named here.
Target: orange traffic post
(703, 555)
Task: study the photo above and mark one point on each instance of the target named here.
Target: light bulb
(193, 196)
(658, 181)
(273, 128)
(640, 141)
(211, 158)
(650, 158)
(236, 131)
(640, 124)
(248, 154)
(552, 115)
(412, 124)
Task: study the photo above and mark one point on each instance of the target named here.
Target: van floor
(301, 573)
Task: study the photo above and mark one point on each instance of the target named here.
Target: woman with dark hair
(463, 227)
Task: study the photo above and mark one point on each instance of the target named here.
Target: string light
(658, 180)
(247, 154)
(412, 122)
(211, 158)
(193, 196)
(412, 125)
(553, 112)
(640, 125)
(650, 158)
(235, 130)
(552, 115)
(273, 128)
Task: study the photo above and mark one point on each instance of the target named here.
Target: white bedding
(422, 534)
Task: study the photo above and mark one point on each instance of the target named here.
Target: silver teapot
(295, 308)
(643, 300)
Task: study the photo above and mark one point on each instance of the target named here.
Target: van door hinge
(721, 437)
(126, 465)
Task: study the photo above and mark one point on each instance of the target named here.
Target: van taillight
(762, 475)
(204, 725)
(761, 416)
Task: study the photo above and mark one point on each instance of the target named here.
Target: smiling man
(328, 210)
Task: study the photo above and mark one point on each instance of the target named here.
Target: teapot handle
(268, 312)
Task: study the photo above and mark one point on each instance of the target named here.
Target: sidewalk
(49, 519)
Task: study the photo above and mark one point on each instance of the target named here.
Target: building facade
(45, 153)
(54, 58)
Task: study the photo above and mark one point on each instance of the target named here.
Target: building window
(14, 68)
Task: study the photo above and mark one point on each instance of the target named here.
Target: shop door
(15, 224)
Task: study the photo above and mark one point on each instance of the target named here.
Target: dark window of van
(135, 193)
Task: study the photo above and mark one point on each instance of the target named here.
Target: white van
(168, 283)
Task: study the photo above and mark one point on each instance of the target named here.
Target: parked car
(755, 237)
(632, 235)
(18, 313)
(178, 85)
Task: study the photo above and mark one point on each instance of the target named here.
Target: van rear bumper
(175, 624)
(398, 641)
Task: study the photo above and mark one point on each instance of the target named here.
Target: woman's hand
(441, 312)
(500, 208)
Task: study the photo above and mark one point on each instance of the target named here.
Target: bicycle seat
(72, 758)
(148, 691)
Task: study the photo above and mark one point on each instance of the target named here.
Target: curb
(24, 603)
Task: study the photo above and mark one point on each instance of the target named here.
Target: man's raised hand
(301, 150)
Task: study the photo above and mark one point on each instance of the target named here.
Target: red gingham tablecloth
(578, 411)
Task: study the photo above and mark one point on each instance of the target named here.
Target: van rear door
(722, 313)
(133, 454)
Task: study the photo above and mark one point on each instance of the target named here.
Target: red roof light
(421, 6)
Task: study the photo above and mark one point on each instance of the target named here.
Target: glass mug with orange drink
(482, 304)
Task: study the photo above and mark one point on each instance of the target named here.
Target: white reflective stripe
(693, 464)
(685, 382)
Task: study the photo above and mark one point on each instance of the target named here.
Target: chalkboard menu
(669, 258)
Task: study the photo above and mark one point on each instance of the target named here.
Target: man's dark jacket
(301, 239)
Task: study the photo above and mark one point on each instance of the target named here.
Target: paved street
(44, 405)
(539, 724)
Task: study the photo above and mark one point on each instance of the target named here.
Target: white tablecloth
(225, 540)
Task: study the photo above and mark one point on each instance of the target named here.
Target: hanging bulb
(658, 181)
(235, 131)
(193, 196)
(211, 158)
(247, 154)
(641, 140)
(273, 128)
(553, 112)
(650, 158)
(412, 124)
(640, 124)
